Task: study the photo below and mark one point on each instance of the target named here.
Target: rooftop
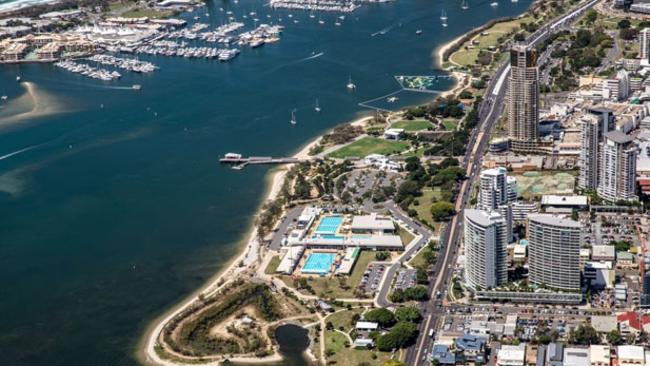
(619, 137)
(555, 200)
(372, 222)
(554, 220)
(630, 352)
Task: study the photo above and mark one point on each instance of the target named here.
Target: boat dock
(239, 162)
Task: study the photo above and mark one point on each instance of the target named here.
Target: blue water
(110, 216)
(319, 263)
(329, 225)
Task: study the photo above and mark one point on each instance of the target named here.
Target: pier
(239, 162)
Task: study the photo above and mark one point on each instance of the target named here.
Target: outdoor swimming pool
(329, 225)
(318, 263)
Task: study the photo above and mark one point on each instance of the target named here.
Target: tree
(382, 255)
(614, 338)
(404, 334)
(624, 24)
(442, 210)
(591, 16)
(383, 316)
(585, 335)
(408, 314)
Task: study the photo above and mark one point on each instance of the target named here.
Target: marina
(343, 6)
(88, 71)
(124, 63)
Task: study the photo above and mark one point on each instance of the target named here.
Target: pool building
(331, 243)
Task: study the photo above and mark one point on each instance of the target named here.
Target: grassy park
(413, 126)
(370, 145)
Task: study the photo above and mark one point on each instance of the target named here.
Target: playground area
(537, 183)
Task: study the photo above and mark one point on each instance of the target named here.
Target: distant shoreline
(23, 4)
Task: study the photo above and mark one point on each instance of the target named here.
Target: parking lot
(372, 277)
(405, 278)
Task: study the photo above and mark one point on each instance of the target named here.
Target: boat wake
(305, 59)
(17, 152)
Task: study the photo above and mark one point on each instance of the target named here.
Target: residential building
(644, 297)
(617, 167)
(521, 210)
(555, 354)
(443, 355)
(523, 98)
(485, 249)
(496, 191)
(472, 348)
(644, 45)
(590, 125)
(554, 251)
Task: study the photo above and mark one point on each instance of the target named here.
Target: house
(511, 355)
(599, 355)
(630, 355)
(472, 347)
(394, 134)
(443, 355)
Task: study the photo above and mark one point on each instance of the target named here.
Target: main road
(489, 112)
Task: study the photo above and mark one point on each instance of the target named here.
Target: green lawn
(149, 13)
(331, 287)
(412, 126)
(370, 145)
(424, 208)
(273, 265)
(405, 236)
(418, 260)
(468, 56)
(344, 318)
(335, 341)
(450, 124)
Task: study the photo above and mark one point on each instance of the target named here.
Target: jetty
(239, 162)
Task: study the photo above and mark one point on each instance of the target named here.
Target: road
(489, 112)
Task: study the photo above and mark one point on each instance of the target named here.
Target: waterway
(113, 207)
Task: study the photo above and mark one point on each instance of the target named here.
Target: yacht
(494, 4)
(350, 85)
(338, 24)
(17, 78)
(444, 25)
(392, 99)
(311, 15)
(464, 5)
(317, 107)
(293, 117)
(136, 87)
(443, 15)
(418, 32)
(4, 97)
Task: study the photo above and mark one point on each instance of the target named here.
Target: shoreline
(274, 179)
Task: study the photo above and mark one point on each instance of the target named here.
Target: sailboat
(293, 117)
(350, 85)
(4, 97)
(320, 21)
(443, 15)
(464, 5)
(317, 107)
(311, 14)
(17, 78)
(494, 4)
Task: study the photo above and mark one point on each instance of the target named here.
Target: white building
(554, 251)
(588, 159)
(644, 46)
(485, 249)
(600, 274)
(497, 192)
(617, 167)
(576, 356)
(373, 224)
(630, 355)
(394, 133)
(600, 355)
(511, 355)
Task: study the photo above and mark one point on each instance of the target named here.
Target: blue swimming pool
(318, 263)
(329, 225)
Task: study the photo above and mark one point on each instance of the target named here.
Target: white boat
(320, 21)
(494, 4)
(444, 25)
(136, 87)
(4, 97)
(317, 107)
(418, 32)
(443, 15)
(293, 117)
(311, 15)
(338, 24)
(464, 5)
(392, 99)
(17, 78)
(350, 85)
(295, 21)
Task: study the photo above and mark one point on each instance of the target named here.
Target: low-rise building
(472, 348)
(604, 324)
(442, 354)
(630, 355)
(599, 355)
(563, 204)
(394, 134)
(603, 253)
(600, 274)
(512, 355)
(576, 356)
